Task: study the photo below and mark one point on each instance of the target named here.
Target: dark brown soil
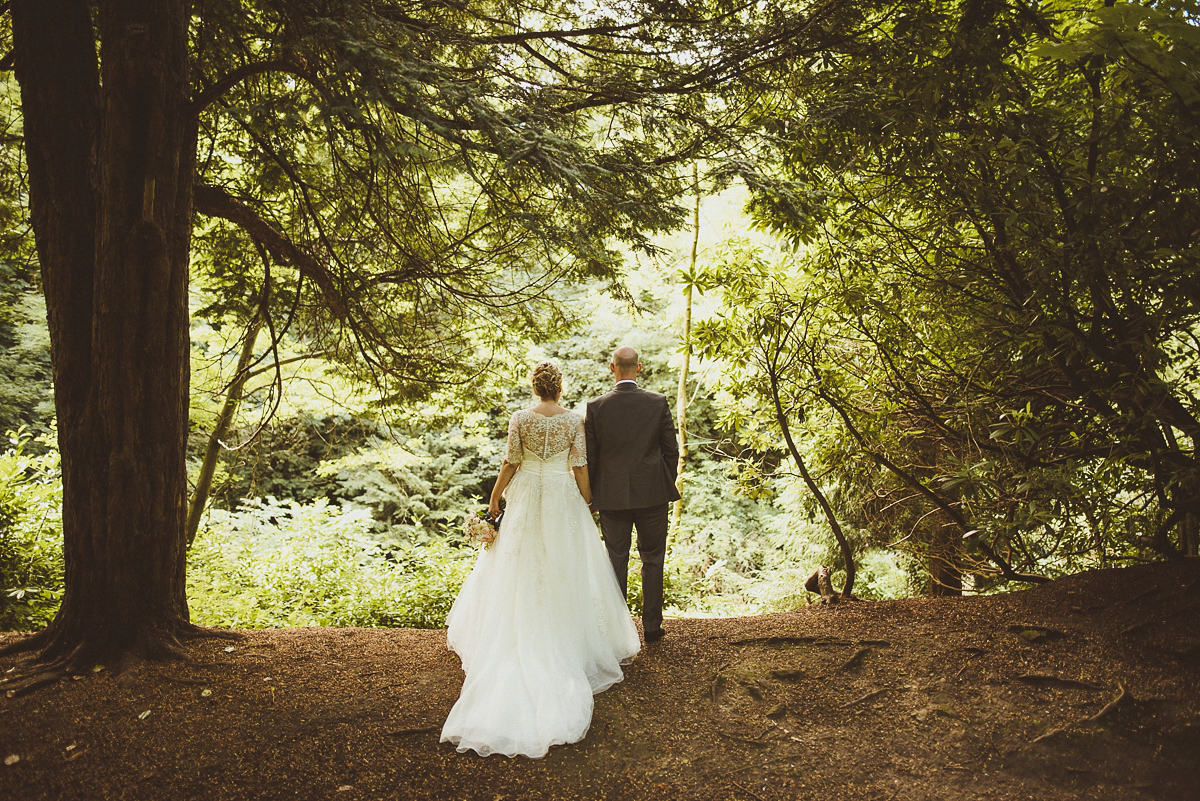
(914, 699)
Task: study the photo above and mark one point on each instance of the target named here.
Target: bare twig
(866, 697)
(747, 790)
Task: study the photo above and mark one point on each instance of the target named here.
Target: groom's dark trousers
(651, 521)
(632, 454)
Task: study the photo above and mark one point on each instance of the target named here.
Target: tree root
(32, 642)
(206, 633)
(790, 641)
(56, 660)
(855, 660)
(1122, 694)
(28, 682)
(1042, 680)
(42, 673)
(417, 730)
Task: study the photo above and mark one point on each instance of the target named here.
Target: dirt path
(915, 699)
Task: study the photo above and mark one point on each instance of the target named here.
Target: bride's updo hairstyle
(547, 381)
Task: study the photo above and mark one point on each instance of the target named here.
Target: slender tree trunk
(1189, 535)
(681, 402)
(212, 453)
(111, 164)
(822, 501)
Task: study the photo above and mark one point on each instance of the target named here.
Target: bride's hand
(494, 509)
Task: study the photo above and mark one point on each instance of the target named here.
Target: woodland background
(928, 278)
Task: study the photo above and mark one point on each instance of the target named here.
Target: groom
(632, 461)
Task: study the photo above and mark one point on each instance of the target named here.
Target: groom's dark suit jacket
(631, 449)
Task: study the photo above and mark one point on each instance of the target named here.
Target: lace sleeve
(514, 452)
(578, 456)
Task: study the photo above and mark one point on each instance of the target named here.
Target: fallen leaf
(71, 747)
(229, 649)
(12, 759)
(205, 693)
(97, 668)
(267, 678)
(144, 715)
(344, 788)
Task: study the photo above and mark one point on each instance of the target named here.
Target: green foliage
(26, 393)
(1002, 281)
(417, 489)
(31, 561)
(278, 563)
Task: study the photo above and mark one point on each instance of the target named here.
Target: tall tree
(690, 281)
(1002, 203)
(414, 172)
(111, 155)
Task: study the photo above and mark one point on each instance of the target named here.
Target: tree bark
(945, 568)
(111, 164)
(819, 582)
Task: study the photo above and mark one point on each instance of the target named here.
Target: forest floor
(1088, 687)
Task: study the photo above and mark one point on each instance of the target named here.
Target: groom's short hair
(626, 363)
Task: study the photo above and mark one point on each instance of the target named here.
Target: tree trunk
(1189, 535)
(820, 583)
(212, 453)
(681, 402)
(110, 167)
(945, 560)
(822, 501)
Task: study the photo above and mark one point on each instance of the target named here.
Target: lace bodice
(546, 436)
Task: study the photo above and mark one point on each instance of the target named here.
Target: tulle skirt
(540, 624)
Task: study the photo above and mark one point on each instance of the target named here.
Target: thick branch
(209, 95)
(216, 202)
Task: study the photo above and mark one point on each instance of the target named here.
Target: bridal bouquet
(481, 530)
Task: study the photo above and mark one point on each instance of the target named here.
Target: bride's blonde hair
(547, 381)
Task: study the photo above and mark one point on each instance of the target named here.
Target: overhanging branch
(209, 95)
(213, 201)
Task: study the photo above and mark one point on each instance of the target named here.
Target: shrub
(275, 563)
(31, 559)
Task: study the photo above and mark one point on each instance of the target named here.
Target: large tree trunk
(110, 165)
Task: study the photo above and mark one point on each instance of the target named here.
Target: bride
(540, 624)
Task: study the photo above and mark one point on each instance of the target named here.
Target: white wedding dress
(540, 624)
